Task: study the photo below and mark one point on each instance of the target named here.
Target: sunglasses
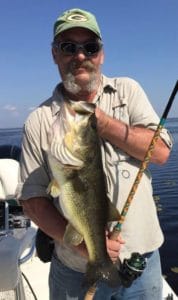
(71, 48)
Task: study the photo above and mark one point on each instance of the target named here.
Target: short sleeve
(34, 175)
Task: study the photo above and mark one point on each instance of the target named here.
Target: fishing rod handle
(115, 232)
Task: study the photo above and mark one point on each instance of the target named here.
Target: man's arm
(46, 216)
(133, 140)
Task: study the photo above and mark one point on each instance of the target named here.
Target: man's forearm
(133, 140)
(45, 215)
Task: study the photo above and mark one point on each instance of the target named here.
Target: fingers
(102, 121)
(120, 239)
(114, 247)
(97, 112)
(81, 249)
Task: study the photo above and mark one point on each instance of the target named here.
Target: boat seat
(17, 242)
(9, 169)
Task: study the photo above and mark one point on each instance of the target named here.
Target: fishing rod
(145, 162)
(117, 229)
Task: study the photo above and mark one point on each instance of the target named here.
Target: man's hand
(102, 120)
(81, 249)
(114, 246)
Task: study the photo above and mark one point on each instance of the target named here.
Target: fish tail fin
(102, 271)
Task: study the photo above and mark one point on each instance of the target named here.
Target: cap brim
(79, 25)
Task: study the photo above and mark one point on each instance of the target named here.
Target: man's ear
(54, 55)
(102, 57)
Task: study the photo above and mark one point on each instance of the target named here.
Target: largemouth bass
(75, 160)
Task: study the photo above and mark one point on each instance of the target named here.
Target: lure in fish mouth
(75, 160)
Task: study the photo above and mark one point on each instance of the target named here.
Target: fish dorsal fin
(113, 213)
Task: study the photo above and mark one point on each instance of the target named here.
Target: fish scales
(76, 164)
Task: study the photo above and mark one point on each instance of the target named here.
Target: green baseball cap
(76, 18)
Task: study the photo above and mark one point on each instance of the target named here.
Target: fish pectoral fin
(53, 188)
(72, 236)
(113, 213)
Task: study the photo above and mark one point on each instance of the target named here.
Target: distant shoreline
(11, 128)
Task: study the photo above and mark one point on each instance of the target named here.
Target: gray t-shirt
(125, 100)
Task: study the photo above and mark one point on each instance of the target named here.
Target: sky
(140, 41)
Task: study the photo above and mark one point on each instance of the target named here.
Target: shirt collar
(57, 99)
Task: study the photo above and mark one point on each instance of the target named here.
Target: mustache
(85, 64)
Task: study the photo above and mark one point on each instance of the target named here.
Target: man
(125, 122)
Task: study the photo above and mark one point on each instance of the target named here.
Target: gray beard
(74, 88)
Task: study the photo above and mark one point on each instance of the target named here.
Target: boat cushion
(9, 169)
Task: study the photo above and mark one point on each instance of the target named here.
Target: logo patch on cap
(77, 18)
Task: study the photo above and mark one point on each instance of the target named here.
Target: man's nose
(80, 55)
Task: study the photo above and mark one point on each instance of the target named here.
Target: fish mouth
(83, 107)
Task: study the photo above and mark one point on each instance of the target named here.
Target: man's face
(78, 71)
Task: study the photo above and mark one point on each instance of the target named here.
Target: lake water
(165, 184)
